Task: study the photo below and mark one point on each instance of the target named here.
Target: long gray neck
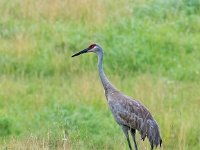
(106, 84)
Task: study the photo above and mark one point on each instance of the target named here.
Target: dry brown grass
(88, 11)
(34, 143)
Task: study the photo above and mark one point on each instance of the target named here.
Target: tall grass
(151, 53)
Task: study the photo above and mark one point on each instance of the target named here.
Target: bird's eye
(91, 46)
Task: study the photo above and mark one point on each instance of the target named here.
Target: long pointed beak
(81, 52)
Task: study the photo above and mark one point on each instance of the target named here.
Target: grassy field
(50, 101)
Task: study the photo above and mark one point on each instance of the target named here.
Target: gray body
(129, 113)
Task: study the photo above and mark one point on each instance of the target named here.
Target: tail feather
(153, 134)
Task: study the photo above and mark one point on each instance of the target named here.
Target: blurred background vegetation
(50, 101)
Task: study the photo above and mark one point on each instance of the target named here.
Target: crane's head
(92, 48)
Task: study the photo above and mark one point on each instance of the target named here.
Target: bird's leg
(125, 130)
(133, 135)
(151, 146)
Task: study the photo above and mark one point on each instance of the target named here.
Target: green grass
(151, 53)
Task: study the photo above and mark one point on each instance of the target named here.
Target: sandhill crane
(129, 113)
